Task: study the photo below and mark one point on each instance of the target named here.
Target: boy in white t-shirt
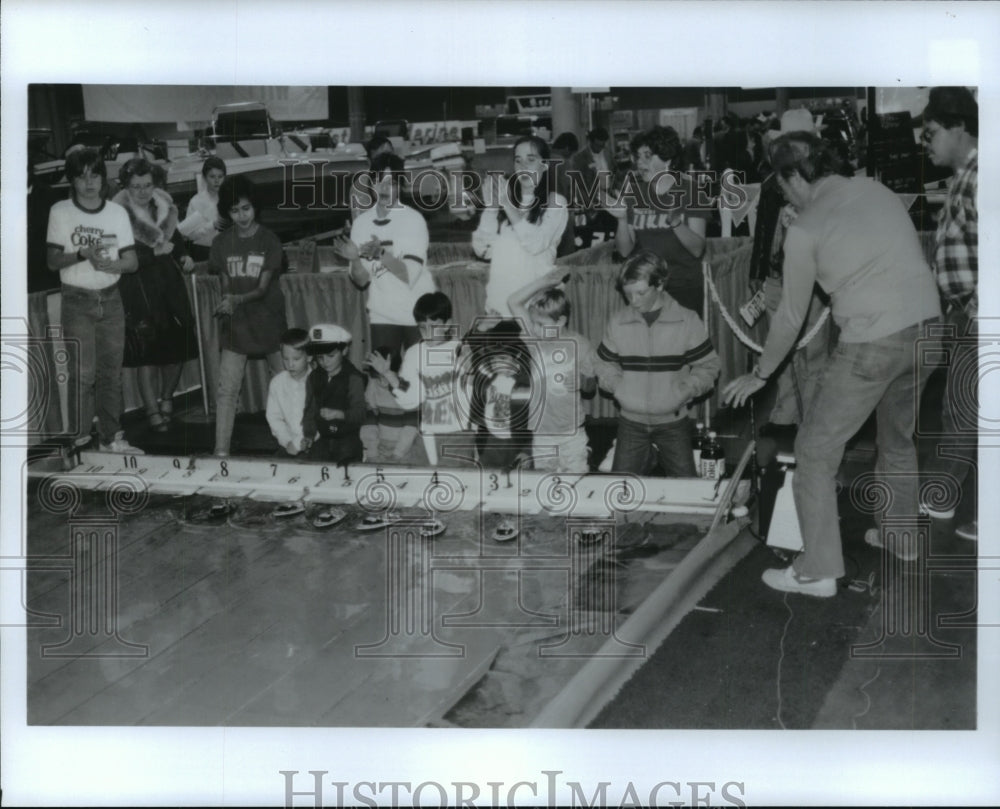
(89, 243)
(428, 381)
(286, 395)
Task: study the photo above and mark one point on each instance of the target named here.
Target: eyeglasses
(929, 134)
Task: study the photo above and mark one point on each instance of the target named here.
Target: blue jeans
(671, 440)
(93, 323)
(884, 376)
(960, 408)
(231, 369)
(798, 375)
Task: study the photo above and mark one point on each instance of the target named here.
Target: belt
(86, 292)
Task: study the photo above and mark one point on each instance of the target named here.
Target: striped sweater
(654, 371)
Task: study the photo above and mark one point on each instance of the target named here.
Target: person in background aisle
(247, 258)
(663, 215)
(202, 222)
(563, 149)
(89, 243)
(363, 195)
(854, 237)
(951, 138)
(387, 250)
(286, 395)
(797, 377)
(590, 182)
(154, 297)
(335, 398)
(522, 225)
(655, 358)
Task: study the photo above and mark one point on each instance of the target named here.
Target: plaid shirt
(956, 257)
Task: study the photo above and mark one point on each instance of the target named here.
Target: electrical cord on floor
(781, 657)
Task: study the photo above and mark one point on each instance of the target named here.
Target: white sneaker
(969, 531)
(120, 445)
(609, 459)
(787, 580)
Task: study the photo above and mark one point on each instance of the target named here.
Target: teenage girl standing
(247, 259)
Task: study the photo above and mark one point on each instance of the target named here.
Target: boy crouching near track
(335, 398)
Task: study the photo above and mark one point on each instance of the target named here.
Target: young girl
(202, 223)
(521, 226)
(247, 259)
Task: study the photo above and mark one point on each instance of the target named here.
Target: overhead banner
(190, 106)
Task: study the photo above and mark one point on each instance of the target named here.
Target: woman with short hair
(159, 326)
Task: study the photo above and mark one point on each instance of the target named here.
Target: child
(286, 395)
(247, 259)
(565, 361)
(89, 242)
(392, 437)
(335, 398)
(655, 358)
(427, 380)
(202, 223)
(388, 254)
(498, 390)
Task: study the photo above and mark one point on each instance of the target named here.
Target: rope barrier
(740, 334)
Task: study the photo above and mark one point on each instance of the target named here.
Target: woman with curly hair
(159, 325)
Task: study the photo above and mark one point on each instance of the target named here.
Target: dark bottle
(697, 442)
(713, 459)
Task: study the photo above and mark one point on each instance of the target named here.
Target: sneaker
(83, 441)
(786, 579)
(119, 445)
(908, 553)
(969, 531)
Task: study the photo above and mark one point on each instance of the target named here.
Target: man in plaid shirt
(951, 138)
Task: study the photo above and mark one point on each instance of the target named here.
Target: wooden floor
(260, 623)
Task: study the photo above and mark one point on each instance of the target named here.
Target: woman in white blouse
(521, 225)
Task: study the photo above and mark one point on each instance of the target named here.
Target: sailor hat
(329, 333)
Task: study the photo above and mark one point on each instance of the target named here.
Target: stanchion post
(201, 345)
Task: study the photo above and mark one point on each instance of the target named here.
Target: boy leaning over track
(565, 361)
(428, 378)
(335, 398)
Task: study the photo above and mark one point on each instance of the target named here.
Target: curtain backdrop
(331, 297)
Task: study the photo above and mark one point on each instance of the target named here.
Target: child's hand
(372, 249)
(187, 264)
(225, 306)
(306, 444)
(346, 249)
(378, 363)
(330, 414)
(557, 277)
